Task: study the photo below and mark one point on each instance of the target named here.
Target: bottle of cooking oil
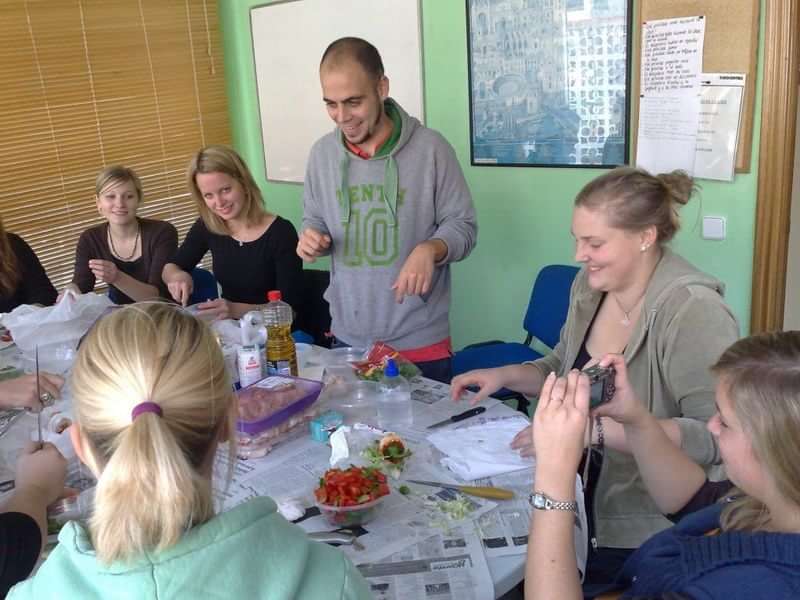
(281, 354)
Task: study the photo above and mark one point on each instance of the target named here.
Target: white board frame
(289, 38)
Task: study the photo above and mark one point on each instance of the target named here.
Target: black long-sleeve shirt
(20, 543)
(159, 243)
(709, 493)
(246, 271)
(34, 286)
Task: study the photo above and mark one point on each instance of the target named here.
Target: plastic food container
(272, 410)
(356, 400)
(350, 516)
(342, 356)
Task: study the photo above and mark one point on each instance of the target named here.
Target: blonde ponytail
(154, 470)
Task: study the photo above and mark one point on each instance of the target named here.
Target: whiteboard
(288, 41)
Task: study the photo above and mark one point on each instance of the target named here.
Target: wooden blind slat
(90, 83)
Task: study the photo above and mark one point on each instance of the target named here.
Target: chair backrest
(549, 303)
(205, 286)
(314, 316)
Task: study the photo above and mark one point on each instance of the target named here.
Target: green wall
(523, 213)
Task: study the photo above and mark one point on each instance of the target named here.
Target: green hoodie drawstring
(390, 188)
(344, 166)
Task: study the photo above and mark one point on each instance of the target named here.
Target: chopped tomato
(350, 487)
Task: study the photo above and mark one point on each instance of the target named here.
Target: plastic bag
(371, 368)
(55, 329)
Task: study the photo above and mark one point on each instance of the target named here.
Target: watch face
(538, 501)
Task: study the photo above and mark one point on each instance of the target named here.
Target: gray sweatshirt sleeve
(313, 202)
(457, 225)
(697, 336)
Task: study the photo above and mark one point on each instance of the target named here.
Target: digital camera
(601, 380)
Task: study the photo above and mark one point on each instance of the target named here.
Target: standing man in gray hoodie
(385, 197)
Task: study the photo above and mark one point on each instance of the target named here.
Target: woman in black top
(23, 520)
(252, 250)
(22, 277)
(126, 252)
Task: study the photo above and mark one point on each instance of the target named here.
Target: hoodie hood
(673, 272)
(408, 125)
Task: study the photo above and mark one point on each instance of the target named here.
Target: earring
(644, 247)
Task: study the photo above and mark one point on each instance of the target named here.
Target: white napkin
(481, 450)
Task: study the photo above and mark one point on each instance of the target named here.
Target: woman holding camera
(735, 539)
(634, 297)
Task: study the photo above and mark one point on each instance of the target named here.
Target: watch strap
(541, 501)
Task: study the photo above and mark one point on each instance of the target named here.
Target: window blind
(91, 83)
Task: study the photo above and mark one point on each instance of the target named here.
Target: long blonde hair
(761, 375)
(154, 471)
(221, 159)
(9, 265)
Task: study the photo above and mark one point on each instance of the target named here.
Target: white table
(506, 571)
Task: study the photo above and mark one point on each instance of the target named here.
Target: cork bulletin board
(731, 45)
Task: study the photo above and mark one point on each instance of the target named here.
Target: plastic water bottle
(281, 353)
(394, 401)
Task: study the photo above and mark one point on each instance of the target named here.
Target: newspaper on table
(504, 530)
(291, 472)
(446, 565)
(411, 549)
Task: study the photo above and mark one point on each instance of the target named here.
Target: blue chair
(301, 337)
(547, 311)
(205, 286)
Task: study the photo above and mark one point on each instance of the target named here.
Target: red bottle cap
(273, 295)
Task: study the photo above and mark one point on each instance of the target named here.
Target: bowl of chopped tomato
(349, 497)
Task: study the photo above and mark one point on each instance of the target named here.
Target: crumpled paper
(348, 442)
(483, 449)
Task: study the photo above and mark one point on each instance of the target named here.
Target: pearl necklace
(114, 250)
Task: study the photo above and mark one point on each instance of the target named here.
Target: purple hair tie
(145, 407)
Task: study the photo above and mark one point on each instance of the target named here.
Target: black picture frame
(549, 88)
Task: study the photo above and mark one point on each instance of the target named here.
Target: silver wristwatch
(541, 501)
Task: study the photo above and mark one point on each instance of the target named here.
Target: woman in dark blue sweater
(743, 541)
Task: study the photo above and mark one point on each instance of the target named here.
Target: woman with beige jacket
(634, 297)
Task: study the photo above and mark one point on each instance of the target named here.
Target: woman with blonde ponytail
(152, 404)
(634, 296)
(737, 539)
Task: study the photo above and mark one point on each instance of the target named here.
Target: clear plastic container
(356, 400)
(394, 401)
(342, 356)
(281, 353)
(272, 410)
(350, 516)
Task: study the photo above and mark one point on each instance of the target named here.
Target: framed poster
(549, 82)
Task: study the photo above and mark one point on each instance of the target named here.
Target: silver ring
(46, 398)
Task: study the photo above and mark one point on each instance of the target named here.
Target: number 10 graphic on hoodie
(370, 239)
